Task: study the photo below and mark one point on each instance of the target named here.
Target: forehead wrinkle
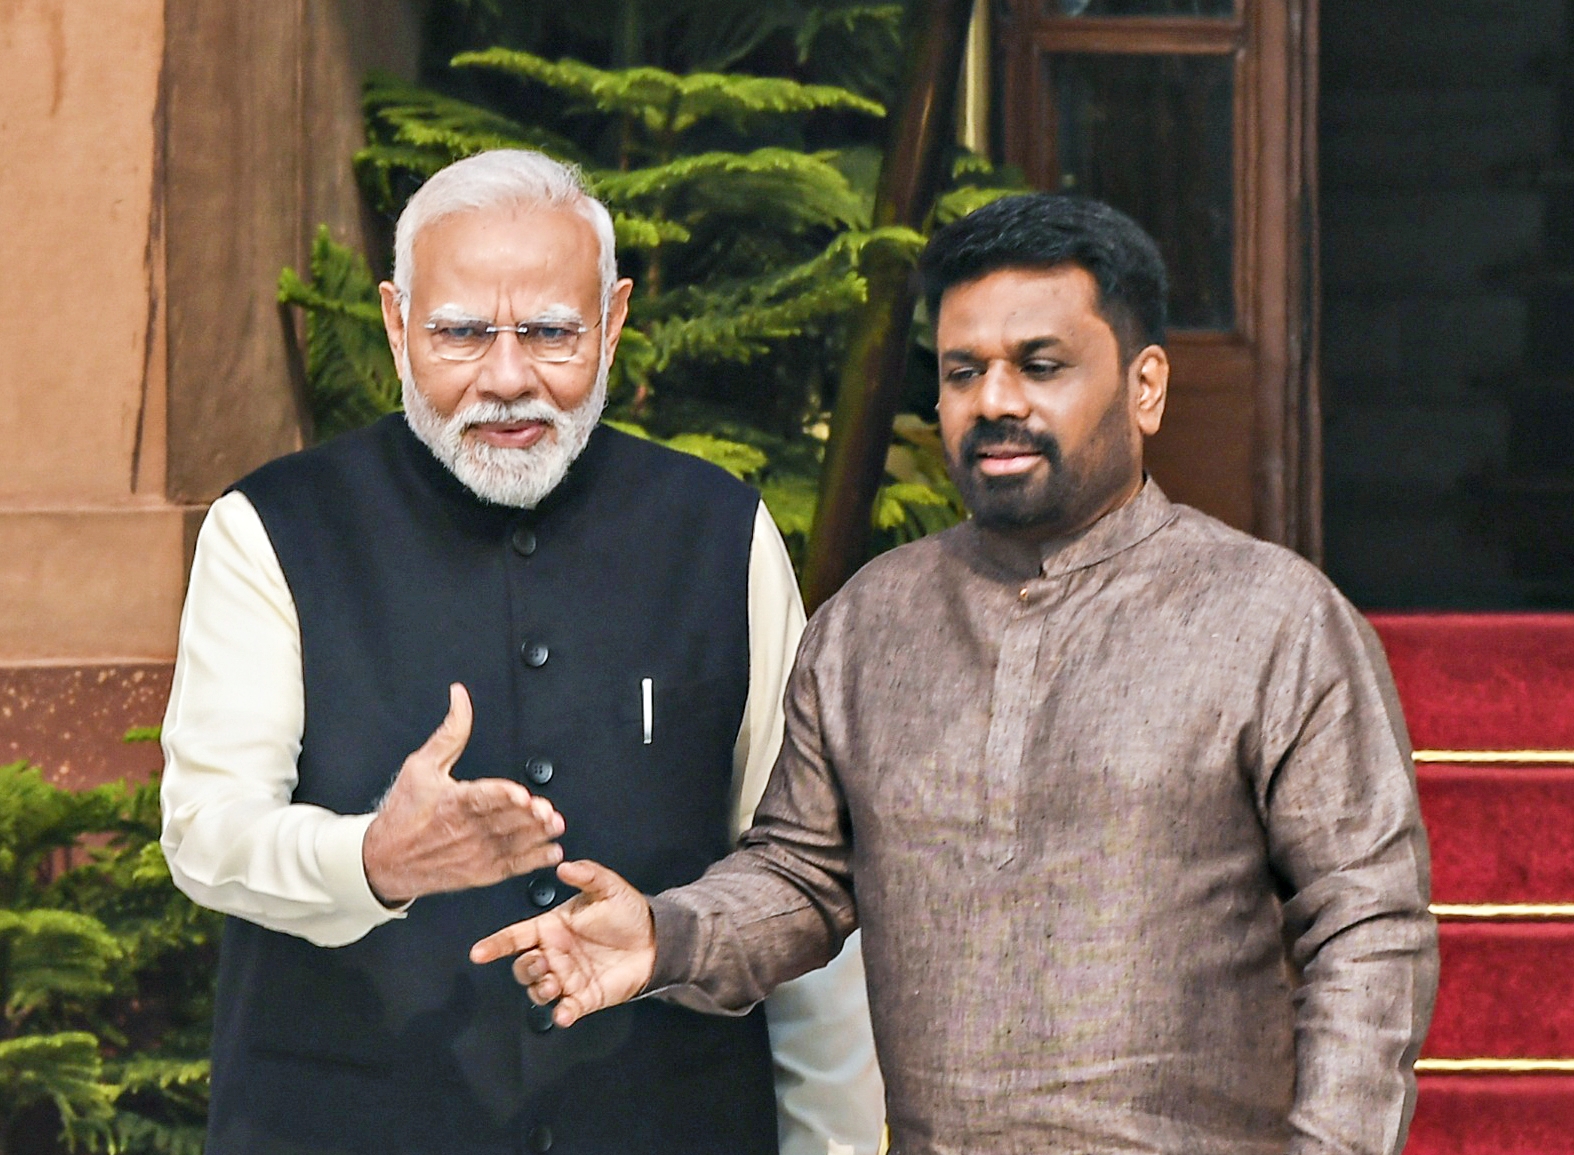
(1015, 349)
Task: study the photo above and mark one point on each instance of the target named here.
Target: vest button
(542, 892)
(524, 541)
(535, 654)
(539, 1019)
(539, 770)
(541, 1138)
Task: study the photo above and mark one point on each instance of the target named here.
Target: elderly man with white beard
(609, 626)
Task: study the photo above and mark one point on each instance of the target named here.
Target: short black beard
(1068, 496)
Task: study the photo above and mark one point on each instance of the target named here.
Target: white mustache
(490, 412)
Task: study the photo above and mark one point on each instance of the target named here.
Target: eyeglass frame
(520, 329)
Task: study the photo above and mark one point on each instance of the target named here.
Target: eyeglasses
(551, 341)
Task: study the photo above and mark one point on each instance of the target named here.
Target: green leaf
(63, 1067)
(133, 1133)
(740, 322)
(742, 461)
(404, 113)
(790, 186)
(858, 47)
(663, 102)
(632, 366)
(349, 370)
(183, 1079)
(412, 132)
(638, 232)
(143, 734)
(957, 203)
(37, 818)
(55, 953)
(791, 501)
(895, 503)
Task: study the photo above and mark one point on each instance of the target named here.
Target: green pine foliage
(350, 374)
(741, 202)
(105, 974)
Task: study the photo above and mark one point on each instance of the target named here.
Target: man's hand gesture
(434, 833)
(596, 950)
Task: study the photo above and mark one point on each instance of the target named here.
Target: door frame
(1243, 435)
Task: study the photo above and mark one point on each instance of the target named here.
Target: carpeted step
(1482, 687)
(1506, 990)
(1499, 834)
(1493, 1115)
(1483, 681)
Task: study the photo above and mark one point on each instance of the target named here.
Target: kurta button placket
(542, 892)
(535, 654)
(539, 771)
(541, 1138)
(1011, 714)
(524, 541)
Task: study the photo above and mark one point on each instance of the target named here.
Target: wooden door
(1196, 117)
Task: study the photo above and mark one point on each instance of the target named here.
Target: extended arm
(1345, 835)
(779, 906)
(234, 839)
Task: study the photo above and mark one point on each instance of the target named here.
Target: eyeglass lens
(469, 340)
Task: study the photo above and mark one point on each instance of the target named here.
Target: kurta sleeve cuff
(684, 974)
(677, 930)
(344, 872)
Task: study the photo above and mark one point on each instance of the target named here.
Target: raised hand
(595, 951)
(434, 833)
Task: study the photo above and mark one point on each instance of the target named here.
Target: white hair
(502, 177)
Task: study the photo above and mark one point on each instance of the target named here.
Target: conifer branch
(350, 371)
(404, 113)
(660, 100)
(800, 187)
(738, 324)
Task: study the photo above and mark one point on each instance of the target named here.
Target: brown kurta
(1089, 798)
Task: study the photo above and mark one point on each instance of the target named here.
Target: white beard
(514, 477)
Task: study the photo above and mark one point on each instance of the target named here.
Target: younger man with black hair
(1123, 795)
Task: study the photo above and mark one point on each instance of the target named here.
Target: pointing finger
(521, 936)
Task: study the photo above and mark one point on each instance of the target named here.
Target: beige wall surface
(160, 162)
(80, 253)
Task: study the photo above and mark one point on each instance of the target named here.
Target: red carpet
(1483, 681)
(1496, 1114)
(1489, 700)
(1507, 991)
(1500, 833)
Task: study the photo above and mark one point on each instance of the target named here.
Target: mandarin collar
(1118, 530)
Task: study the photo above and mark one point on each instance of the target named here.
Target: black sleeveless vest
(634, 568)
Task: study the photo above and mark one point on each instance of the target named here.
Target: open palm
(595, 951)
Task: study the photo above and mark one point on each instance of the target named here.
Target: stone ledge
(93, 585)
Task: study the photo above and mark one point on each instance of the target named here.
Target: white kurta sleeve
(830, 1098)
(232, 733)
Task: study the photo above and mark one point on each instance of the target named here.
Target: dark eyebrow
(1020, 350)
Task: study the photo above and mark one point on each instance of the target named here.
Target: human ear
(393, 320)
(1149, 379)
(617, 313)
